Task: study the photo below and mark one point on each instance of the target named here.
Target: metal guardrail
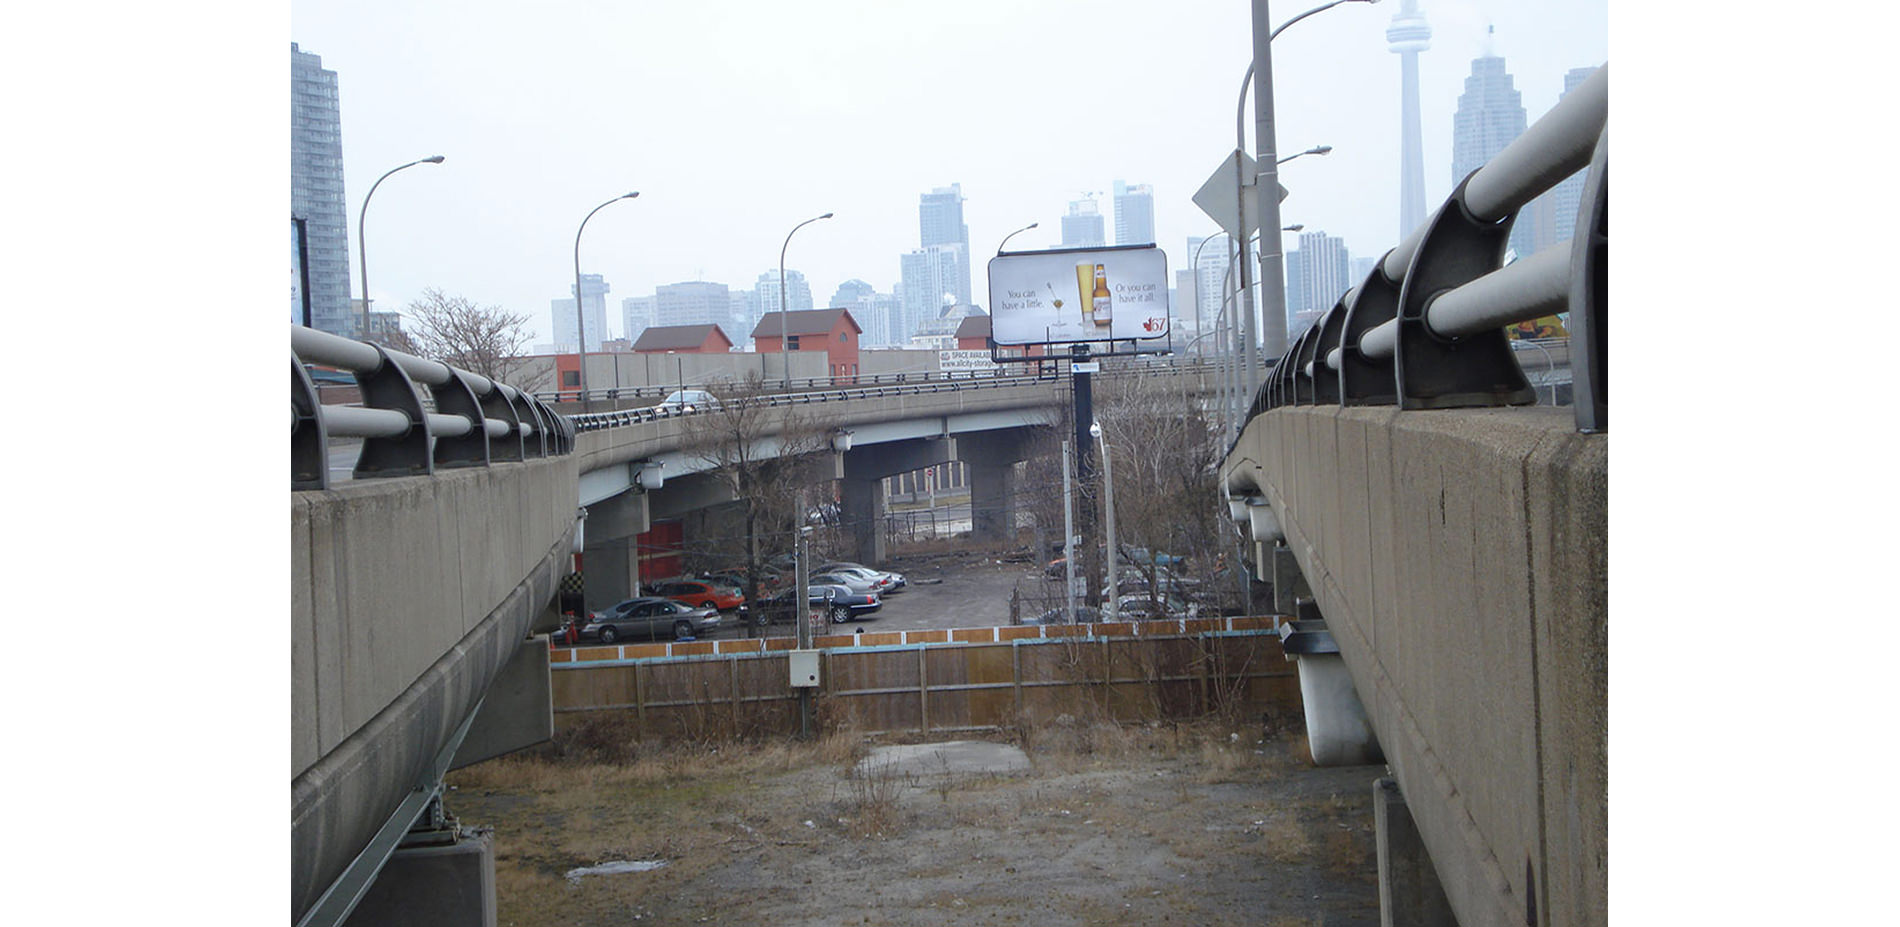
(464, 420)
(1425, 329)
(826, 389)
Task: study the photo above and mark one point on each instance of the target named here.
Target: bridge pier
(451, 883)
(992, 457)
(1409, 892)
(864, 514)
(864, 472)
(610, 563)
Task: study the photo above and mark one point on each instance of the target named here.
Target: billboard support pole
(1084, 470)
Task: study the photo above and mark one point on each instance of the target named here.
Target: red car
(701, 594)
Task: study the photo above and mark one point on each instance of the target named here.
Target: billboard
(1079, 294)
(966, 364)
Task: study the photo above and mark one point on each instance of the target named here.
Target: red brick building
(830, 330)
(973, 334)
(683, 339)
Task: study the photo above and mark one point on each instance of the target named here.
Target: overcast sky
(738, 120)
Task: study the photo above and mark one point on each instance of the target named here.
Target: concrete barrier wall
(1459, 558)
(387, 575)
(604, 448)
(409, 595)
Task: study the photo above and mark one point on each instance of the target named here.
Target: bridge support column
(992, 501)
(991, 457)
(864, 513)
(1289, 584)
(611, 563)
(1409, 892)
(451, 884)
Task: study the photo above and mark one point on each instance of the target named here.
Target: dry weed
(871, 803)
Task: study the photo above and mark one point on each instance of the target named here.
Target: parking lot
(965, 589)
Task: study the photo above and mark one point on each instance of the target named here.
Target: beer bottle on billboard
(1100, 300)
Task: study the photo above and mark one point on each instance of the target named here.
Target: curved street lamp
(1315, 150)
(580, 312)
(1006, 238)
(362, 245)
(784, 342)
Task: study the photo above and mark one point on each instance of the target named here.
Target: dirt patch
(1181, 824)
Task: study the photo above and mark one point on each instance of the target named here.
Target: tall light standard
(1006, 238)
(580, 311)
(784, 341)
(1108, 498)
(1267, 178)
(362, 246)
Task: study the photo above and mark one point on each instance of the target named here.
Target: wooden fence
(934, 681)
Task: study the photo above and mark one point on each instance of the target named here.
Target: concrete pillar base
(992, 510)
(451, 886)
(1409, 892)
(1338, 732)
(864, 514)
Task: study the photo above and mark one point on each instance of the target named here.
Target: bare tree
(461, 333)
(764, 455)
(1166, 457)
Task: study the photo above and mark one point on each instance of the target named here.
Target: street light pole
(1195, 262)
(1267, 181)
(1108, 499)
(784, 339)
(580, 311)
(362, 244)
(1006, 238)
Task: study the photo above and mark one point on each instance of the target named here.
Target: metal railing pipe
(1557, 145)
(318, 347)
(1532, 288)
(1520, 291)
(1525, 168)
(357, 422)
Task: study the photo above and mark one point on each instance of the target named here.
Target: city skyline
(496, 223)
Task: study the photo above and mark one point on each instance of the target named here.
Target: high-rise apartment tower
(316, 192)
(1134, 214)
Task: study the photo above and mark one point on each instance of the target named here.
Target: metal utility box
(804, 665)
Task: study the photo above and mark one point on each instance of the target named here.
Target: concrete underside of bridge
(409, 597)
(1459, 559)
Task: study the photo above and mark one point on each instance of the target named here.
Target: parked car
(688, 400)
(717, 596)
(840, 604)
(735, 577)
(1141, 607)
(1083, 613)
(855, 582)
(894, 581)
(651, 618)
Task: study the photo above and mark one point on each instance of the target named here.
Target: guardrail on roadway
(1424, 330)
(463, 419)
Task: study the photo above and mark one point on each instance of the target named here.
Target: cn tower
(1407, 36)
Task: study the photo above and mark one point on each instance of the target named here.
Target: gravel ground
(1162, 825)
